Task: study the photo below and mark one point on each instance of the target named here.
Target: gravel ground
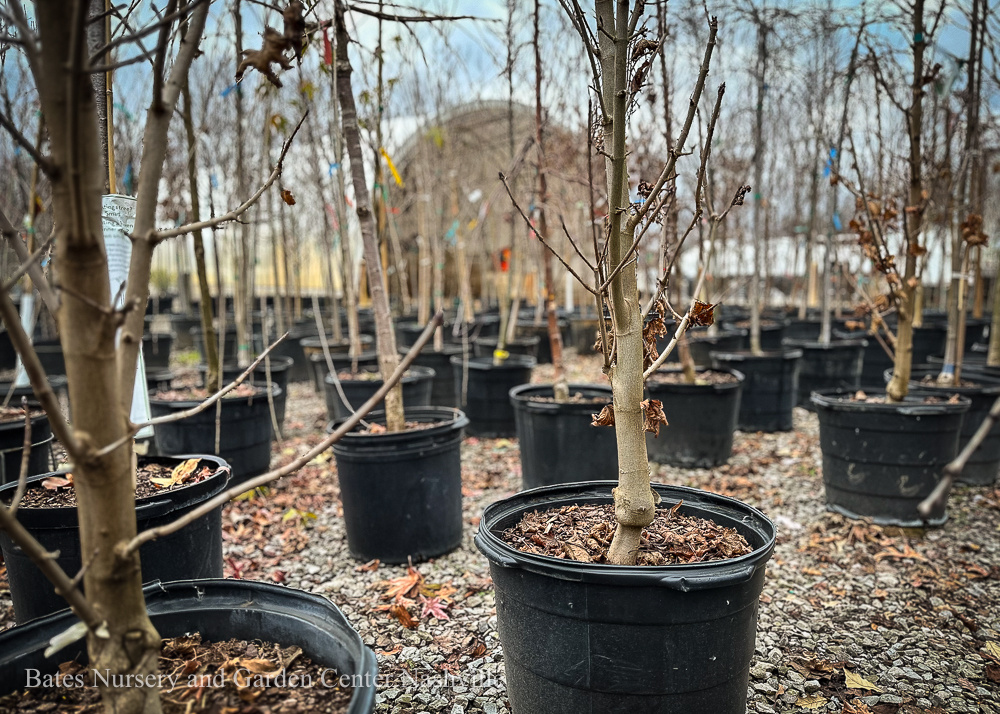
(853, 617)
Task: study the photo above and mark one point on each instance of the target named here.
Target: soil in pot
(834, 365)
(881, 459)
(402, 491)
(244, 437)
(487, 386)
(12, 443)
(550, 435)
(592, 637)
(770, 387)
(223, 610)
(360, 386)
(48, 511)
(702, 417)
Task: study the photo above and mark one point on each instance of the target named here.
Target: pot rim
(686, 577)
(451, 419)
(748, 356)
(181, 405)
(486, 363)
(687, 388)
(832, 400)
(417, 373)
(520, 399)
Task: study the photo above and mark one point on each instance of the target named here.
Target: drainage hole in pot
(583, 532)
(196, 676)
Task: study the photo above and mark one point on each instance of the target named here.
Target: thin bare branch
(164, 21)
(390, 17)
(22, 475)
(527, 222)
(572, 242)
(38, 279)
(234, 214)
(20, 139)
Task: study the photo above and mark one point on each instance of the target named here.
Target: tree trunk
(388, 358)
(634, 502)
(103, 484)
(214, 371)
(899, 385)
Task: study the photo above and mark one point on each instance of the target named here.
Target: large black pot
(8, 355)
(402, 491)
(487, 394)
(551, 436)
(443, 385)
(584, 334)
(50, 355)
(12, 448)
(770, 390)
(928, 340)
(881, 460)
(982, 467)
(245, 434)
(702, 418)
(195, 551)
(220, 610)
(526, 346)
(828, 366)
(417, 383)
(181, 326)
(156, 349)
(771, 334)
(230, 347)
(57, 382)
(528, 328)
(702, 345)
(585, 637)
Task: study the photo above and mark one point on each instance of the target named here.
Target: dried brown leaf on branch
(702, 314)
(653, 416)
(605, 418)
(272, 51)
(287, 197)
(972, 230)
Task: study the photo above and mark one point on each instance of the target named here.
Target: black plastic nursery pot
(702, 416)
(156, 349)
(881, 460)
(180, 326)
(402, 491)
(828, 366)
(417, 383)
(771, 334)
(770, 387)
(526, 346)
(230, 347)
(928, 340)
(50, 355)
(558, 443)
(443, 385)
(983, 466)
(245, 434)
(195, 551)
(219, 610)
(584, 333)
(702, 345)
(12, 447)
(8, 356)
(487, 392)
(585, 637)
(528, 328)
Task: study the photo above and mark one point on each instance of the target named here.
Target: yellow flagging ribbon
(500, 354)
(392, 166)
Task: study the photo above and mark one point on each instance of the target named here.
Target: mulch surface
(584, 532)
